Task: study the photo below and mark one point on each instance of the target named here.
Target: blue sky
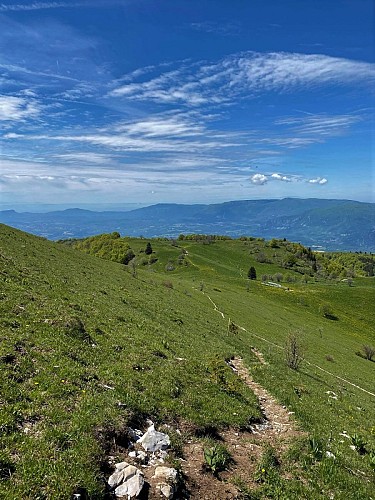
(148, 101)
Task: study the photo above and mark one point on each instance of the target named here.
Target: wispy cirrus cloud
(127, 143)
(52, 55)
(13, 109)
(217, 28)
(83, 157)
(240, 74)
(158, 133)
(320, 125)
(40, 6)
(178, 125)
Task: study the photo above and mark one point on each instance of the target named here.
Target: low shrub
(217, 458)
(293, 351)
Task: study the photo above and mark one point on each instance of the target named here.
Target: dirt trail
(282, 348)
(277, 418)
(277, 429)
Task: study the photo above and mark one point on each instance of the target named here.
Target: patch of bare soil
(277, 429)
(246, 447)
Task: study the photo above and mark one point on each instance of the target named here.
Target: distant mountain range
(318, 223)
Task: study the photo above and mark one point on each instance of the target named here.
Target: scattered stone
(166, 479)
(127, 481)
(105, 386)
(140, 456)
(331, 394)
(131, 488)
(344, 434)
(153, 440)
(330, 455)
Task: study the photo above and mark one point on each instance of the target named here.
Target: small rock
(166, 490)
(153, 440)
(131, 488)
(127, 481)
(167, 479)
(344, 434)
(141, 456)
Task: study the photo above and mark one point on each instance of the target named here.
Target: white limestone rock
(130, 488)
(127, 481)
(166, 479)
(153, 440)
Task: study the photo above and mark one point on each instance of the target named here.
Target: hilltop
(340, 225)
(91, 347)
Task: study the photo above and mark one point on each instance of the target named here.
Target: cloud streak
(217, 28)
(39, 6)
(240, 74)
(320, 125)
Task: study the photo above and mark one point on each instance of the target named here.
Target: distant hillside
(328, 224)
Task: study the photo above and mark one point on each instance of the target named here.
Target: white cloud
(280, 177)
(18, 108)
(259, 179)
(319, 180)
(264, 178)
(12, 135)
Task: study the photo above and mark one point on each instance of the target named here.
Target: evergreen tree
(148, 250)
(252, 274)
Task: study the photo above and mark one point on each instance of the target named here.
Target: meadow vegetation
(91, 345)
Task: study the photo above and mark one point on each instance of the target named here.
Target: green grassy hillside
(89, 346)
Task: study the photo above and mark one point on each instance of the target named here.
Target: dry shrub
(293, 351)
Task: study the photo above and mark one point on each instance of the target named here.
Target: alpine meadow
(236, 369)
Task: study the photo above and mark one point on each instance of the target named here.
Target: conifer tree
(252, 274)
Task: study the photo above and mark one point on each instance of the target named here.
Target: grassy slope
(272, 313)
(54, 374)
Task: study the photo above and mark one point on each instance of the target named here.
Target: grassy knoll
(88, 345)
